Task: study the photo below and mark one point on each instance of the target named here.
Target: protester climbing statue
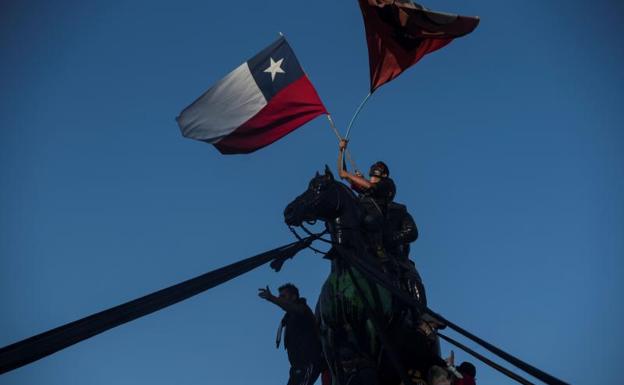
(389, 226)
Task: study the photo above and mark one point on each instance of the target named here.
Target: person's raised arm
(342, 146)
(355, 179)
(358, 181)
(289, 307)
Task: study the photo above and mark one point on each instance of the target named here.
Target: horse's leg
(377, 307)
(408, 351)
(348, 338)
(334, 335)
(327, 342)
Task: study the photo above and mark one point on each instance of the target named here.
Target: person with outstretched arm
(301, 335)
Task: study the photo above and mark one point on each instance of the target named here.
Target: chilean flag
(259, 102)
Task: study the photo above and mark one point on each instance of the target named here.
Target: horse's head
(319, 201)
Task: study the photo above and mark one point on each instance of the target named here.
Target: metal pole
(333, 127)
(357, 112)
(347, 152)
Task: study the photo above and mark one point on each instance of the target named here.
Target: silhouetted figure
(389, 226)
(301, 336)
(468, 372)
(380, 187)
(375, 194)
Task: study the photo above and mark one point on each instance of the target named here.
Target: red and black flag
(399, 33)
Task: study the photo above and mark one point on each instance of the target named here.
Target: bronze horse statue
(367, 336)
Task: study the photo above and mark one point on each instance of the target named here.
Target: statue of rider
(399, 231)
(388, 223)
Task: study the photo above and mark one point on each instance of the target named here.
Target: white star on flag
(275, 68)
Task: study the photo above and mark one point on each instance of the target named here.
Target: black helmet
(379, 169)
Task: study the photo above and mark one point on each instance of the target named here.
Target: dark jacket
(301, 337)
(382, 192)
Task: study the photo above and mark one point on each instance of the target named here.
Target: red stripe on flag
(291, 108)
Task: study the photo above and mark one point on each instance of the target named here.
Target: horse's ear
(328, 172)
(317, 174)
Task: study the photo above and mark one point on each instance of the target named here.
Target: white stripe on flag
(223, 108)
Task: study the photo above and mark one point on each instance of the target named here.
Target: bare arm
(342, 146)
(287, 306)
(355, 179)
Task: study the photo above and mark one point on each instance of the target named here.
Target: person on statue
(468, 372)
(301, 336)
(380, 187)
(389, 225)
(375, 194)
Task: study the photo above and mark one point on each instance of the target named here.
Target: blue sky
(507, 146)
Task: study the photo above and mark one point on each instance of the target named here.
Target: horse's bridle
(319, 235)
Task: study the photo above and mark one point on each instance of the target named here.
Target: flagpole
(333, 127)
(357, 112)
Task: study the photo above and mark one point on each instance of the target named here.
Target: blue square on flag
(259, 102)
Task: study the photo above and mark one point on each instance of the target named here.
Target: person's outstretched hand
(265, 293)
